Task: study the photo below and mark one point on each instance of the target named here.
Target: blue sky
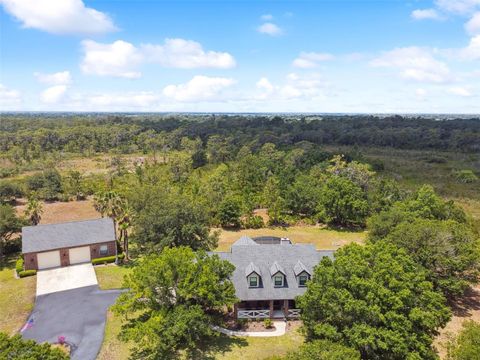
(265, 56)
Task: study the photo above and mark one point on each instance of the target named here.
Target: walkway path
(280, 327)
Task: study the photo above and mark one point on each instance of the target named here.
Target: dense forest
(89, 133)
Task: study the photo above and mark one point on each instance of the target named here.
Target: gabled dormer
(301, 273)
(278, 275)
(252, 273)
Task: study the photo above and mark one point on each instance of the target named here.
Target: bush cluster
(26, 273)
(107, 259)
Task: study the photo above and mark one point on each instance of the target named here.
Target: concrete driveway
(77, 314)
(65, 278)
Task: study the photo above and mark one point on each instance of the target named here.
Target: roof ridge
(66, 222)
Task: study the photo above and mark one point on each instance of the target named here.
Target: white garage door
(48, 259)
(79, 255)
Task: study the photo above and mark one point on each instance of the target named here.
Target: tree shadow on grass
(218, 345)
(470, 301)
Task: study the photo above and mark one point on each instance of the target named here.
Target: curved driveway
(78, 314)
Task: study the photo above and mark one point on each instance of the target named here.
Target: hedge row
(107, 259)
(26, 273)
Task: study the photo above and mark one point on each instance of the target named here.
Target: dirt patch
(467, 308)
(57, 212)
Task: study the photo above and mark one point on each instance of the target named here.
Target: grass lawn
(227, 348)
(259, 348)
(323, 239)
(16, 299)
(111, 276)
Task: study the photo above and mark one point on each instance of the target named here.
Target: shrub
(26, 273)
(107, 259)
(268, 323)
(19, 265)
(466, 176)
(253, 222)
(12, 246)
(242, 323)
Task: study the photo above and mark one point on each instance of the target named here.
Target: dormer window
(302, 279)
(253, 280)
(278, 280)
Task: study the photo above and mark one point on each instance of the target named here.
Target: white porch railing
(293, 313)
(253, 314)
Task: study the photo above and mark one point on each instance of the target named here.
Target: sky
(389, 56)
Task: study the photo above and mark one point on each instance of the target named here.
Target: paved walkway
(280, 327)
(65, 278)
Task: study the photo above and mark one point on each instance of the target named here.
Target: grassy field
(55, 212)
(17, 298)
(226, 348)
(111, 276)
(322, 238)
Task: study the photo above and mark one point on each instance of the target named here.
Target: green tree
(165, 218)
(303, 196)
(230, 211)
(75, 185)
(10, 224)
(375, 299)
(109, 203)
(34, 210)
(342, 202)
(323, 350)
(9, 191)
(172, 301)
(17, 348)
(273, 200)
(467, 344)
(448, 250)
(47, 184)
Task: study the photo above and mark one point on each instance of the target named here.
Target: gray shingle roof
(275, 268)
(244, 240)
(252, 268)
(264, 257)
(299, 268)
(64, 235)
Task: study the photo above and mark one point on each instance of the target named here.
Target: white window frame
(101, 252)
(253, 276)
(275, 278)
(302, 275)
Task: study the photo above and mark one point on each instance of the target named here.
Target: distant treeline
(126, 133)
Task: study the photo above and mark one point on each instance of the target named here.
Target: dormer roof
(299, 268)
(275, 268)
(252, 268)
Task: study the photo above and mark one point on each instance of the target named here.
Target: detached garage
(54, 245)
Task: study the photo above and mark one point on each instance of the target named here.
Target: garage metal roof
(64, 235)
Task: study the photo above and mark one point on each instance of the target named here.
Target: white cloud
(414, 63)
(53, 94)
(472, 51)
(307, 60)
(58, 78)
(266, 17)
(473, 25)
(9, 99)
(117, 59)
(122, 58)
(270, 29)
(460, 91)
(421, 93)
(457, 6)
(295, 87)
(422, 14)
(59, 16)
(186, 54)
(199, 88)
(141, 99)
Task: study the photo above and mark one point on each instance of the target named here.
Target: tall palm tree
(108, 204)
(34, 210)
(124, 224)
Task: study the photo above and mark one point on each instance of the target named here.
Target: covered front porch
(264, 309)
